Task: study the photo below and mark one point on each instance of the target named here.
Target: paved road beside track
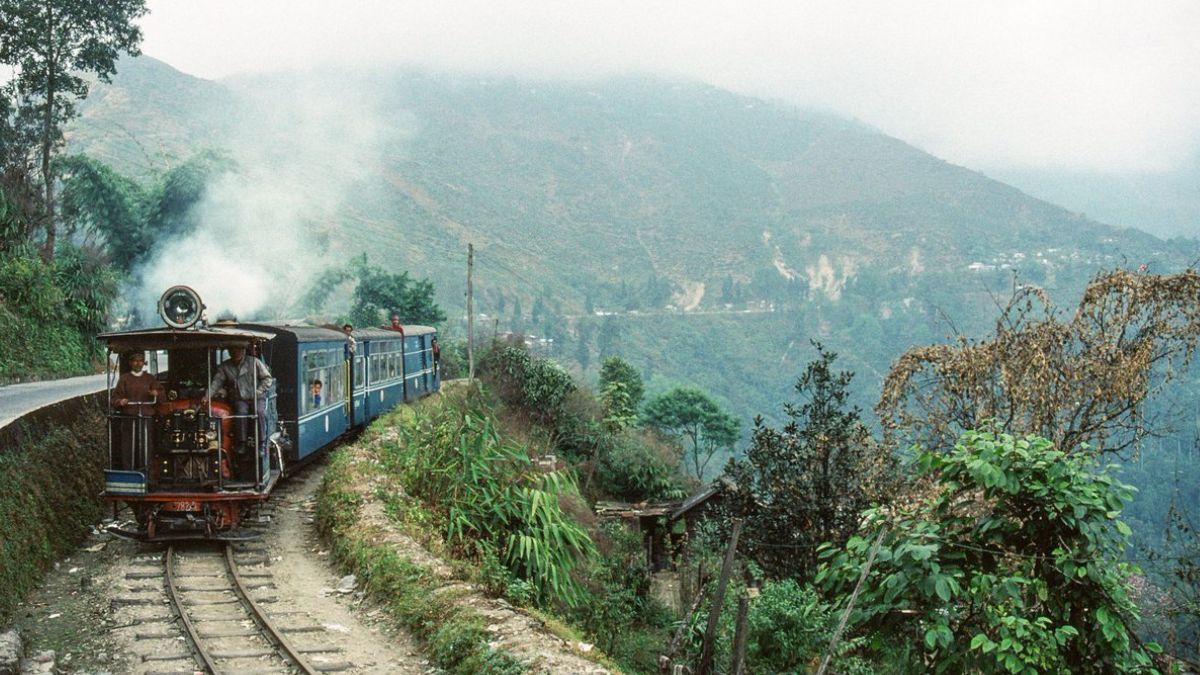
(17, 400)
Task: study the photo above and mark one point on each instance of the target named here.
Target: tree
(608, 339)
(583, 350)
(806, 484)
(689, 413)
(171, 208)
(621, 388)
(379, 294)
(1080, 381)
(107, 206)
(1012, 562)
(49, 45)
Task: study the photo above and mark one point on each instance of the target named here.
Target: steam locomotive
(190, 465)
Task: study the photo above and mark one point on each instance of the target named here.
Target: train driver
(135, 387)
(243, 379)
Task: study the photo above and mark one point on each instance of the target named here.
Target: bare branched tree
(1076, 382)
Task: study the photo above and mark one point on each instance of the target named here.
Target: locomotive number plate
(181, 506)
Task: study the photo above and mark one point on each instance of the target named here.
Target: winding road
(17, 400)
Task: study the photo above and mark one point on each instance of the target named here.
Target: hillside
(639, 198)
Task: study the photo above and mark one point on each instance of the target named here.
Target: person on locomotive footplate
(134, 389)
(243, 380)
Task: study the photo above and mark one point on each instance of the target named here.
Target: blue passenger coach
(329, 384)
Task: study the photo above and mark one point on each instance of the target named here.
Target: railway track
(214, 597)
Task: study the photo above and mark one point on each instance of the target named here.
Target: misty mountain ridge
(622, 177)
(634, 196)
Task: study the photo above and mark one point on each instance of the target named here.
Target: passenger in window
(396, 325)
(315, 388)
(351, 345)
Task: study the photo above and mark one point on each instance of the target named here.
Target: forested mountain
(705, 236)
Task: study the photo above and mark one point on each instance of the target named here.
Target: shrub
(633, 469)
(493, 499)
(545, 388)
(1014, 563)
(620, 616)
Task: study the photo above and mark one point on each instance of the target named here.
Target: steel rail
(269, 630)
(192, 634)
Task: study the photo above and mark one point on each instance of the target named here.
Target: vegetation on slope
(50, 476)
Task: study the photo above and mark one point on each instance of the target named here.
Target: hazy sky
(1104, 86)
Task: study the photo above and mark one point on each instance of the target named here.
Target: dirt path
(103, 609)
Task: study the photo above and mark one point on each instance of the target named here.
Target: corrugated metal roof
(166, 338)
(696, 500)
(302, 332)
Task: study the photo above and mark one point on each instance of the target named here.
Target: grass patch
(50, 477)
(456, 635)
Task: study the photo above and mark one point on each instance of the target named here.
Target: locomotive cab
(187, 463)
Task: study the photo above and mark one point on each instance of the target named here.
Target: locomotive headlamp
(180, 307)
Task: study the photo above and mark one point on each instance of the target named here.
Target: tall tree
(50, 44)
(805, 484)
(1077, 381)
(583, 350)
(621, 389)
(608, 340)
(691, 415)
(107, 206)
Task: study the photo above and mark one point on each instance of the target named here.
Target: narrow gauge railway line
(215, 609)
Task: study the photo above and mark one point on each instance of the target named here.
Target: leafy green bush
(492, 497)
(37, 349)
(28, 286)
(504, 368)
(545, 388)
(50, 313)
(620, 616)
(539, 386)
(1014, 563)
(89, 287)
(789, 630)
(633, 469)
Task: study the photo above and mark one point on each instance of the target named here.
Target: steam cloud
(302, 144)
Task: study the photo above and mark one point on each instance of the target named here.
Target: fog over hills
(1166, 204)
(638, 198)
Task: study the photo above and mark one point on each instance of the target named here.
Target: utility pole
(470, 317)
(714, 614)
(738, 665)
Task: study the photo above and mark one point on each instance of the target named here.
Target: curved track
(227, 650)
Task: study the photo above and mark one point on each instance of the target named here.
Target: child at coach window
(315, 388)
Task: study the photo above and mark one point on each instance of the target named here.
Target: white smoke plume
(268, 229)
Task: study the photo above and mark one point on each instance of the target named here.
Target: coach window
(337, 376)
(314, 371)
(358, 372)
